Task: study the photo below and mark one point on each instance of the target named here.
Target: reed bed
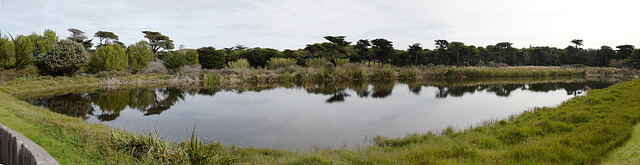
(324, 71)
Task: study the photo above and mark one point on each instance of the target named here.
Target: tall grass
(317, 62)
(149, 147)
(240, 64)
(276, 63)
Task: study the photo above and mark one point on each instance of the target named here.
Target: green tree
(108, 58)
(158, 41)
(415, 51)
(42, 45)
(362, 49)
(7, 53)
(504, 49)
(78, 36)
(105, 38)
(624, 51)
(383, 49)
(192, 57)
(139, 55)
(577, 42)
(23, 51)
(634, 58)
(339, 45)
(457, 49)
(442, 52)
(66, 57)
(605, 53)
(210, 58)
(258, 57)
(174, 60)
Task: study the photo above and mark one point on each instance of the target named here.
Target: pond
(311, 115)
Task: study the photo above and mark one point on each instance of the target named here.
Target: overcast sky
(291, 24)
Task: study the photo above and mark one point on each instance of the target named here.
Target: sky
(292, 24)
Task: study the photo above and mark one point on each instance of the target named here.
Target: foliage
(240, 64)
(174, 60)
(210, 58)
(7, 53)
(317, 62)
(382, 49)
(192, 57)
(108, 58)
(78, 36)
(43, 44)
(23, 51)
(158, 41)
(616, 63)
(105, 37)
(139, 55)
(275, 63)
(65, 58)
(341, 62)
(258, 57)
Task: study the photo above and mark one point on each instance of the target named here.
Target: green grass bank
(584, 130)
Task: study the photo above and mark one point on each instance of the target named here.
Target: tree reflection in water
(156, 101)
(111, 103)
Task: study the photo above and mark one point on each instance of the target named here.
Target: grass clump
(317, 62)
(148, 147)
(276, 63)
(240, 64)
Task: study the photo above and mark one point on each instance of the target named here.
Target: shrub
(275, 63)
(210, 58)
(192, 57)
(616, 63)
(7, 57)
(240, 64)
(140, 55)
(481, 63)
(317, 62)
(341, 62)
(155, 67)
(174, 60)
(190, 69)
(66, 58)
(23, 50)
(108, 58)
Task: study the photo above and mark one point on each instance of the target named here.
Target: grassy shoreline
(581, 130)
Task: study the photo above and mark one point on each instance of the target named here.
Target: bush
(174, 60)
(140, 55)
(317, 62)
(108, 58)
(616, 63)
(341, 62)
(66, 58)
(210, 58)
(240, 64)
(481, 64)
(192, 57)
(7, 58)
(155, 67)
(275, 63)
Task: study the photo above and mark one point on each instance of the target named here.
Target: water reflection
(313, 114)
(111, 103)
(155, 101)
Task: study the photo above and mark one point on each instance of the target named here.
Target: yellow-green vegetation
(628, 153)
(583, 130)
(324, 71)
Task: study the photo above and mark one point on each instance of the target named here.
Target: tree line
(47, 54)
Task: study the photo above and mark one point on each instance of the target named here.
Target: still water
(302, 116)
